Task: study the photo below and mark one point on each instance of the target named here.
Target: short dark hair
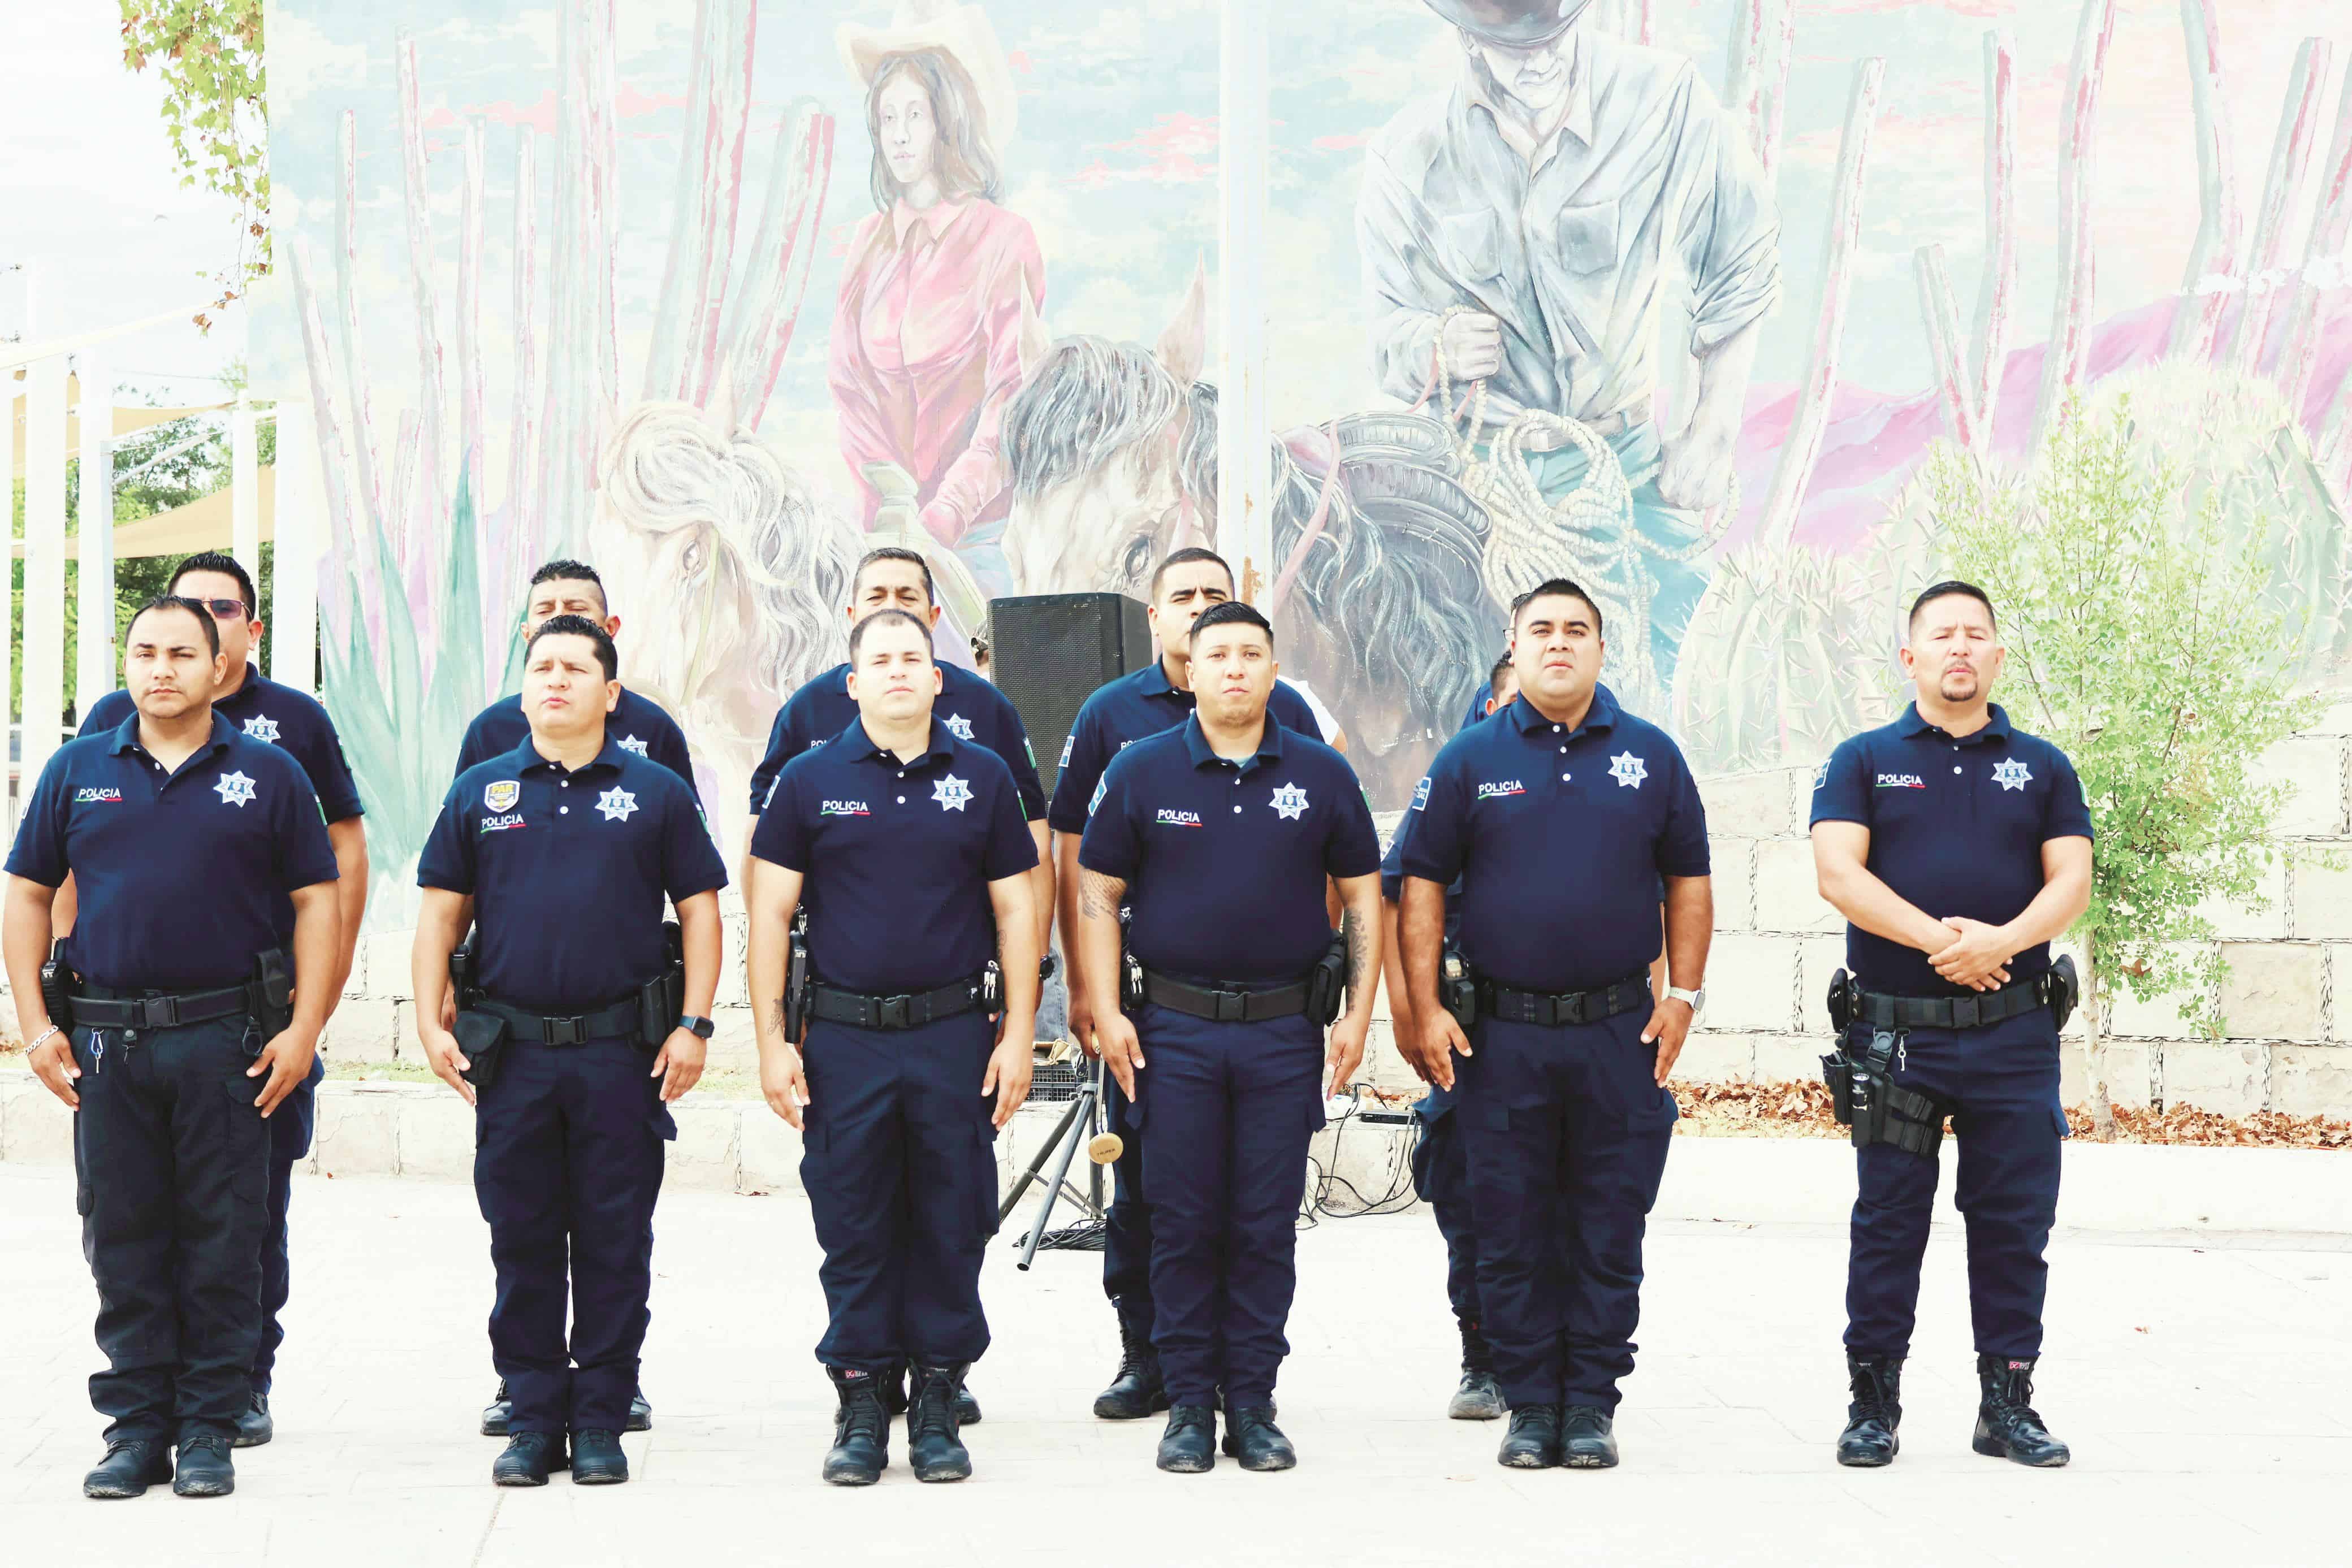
(894, 552)
(890, 618)
(1503, 668)
(195, 607)
(577, 626)
(1555, 588)
(228, 566)
(571, 571)
(1946, 590)
(1233, 612)
(1185, 556)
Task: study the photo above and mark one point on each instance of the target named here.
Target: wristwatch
(700, 1028)
(1695, 1000)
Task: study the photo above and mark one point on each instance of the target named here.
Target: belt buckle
(893, 1012)
(159, 1012)
(1232, 1007)
(1965, 1012)
(563, 1032)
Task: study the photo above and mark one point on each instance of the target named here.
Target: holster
(662, 1000)
(1327, 983)
(462, 979)
(56, 990)
(483, 1037)
(1130, 980)
(1866, 1097)
(1840, 1005)
(1457, 987)
(796, 978)
(273, 992)
(2065, 988)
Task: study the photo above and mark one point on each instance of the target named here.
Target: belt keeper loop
(1964, 1012)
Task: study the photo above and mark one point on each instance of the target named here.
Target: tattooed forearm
(1358, 935)
(1099, 896)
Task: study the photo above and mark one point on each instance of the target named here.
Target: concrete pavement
(2202, 1379)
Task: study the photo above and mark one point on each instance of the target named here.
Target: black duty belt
(621, 1019)
(910, 1010)
(1225, 1004)
(1879, 1010)
(103, 1007)
(1552, 1011)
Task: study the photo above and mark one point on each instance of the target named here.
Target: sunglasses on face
(224, 609)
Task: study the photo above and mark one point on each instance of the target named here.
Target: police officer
(1440, 1177)
(585, 1028)
(906, 844)
(200, 857)
(1156, 698)
(293, 721)
(635, 724)
(1220, 836)
(1560, 816)
(1956, 846)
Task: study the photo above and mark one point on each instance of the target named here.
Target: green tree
(2139, 642)
(215, 109)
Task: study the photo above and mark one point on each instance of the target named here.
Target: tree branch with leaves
(215, 109)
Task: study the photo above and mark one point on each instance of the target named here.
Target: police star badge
(2010, 773)
(1628, 769)
(952, 793)
(261, 727)
(1290, 802)
(615, 804)
(958, 726)
(234, 789)
(502, 795)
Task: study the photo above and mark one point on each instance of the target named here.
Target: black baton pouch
(2065, 988)
(1840, 1000)
(1329, 981)
(55, 993)
(273, 981)
(483, 1038)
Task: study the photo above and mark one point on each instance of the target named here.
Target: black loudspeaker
(1049, 652)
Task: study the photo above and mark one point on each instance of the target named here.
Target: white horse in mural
(730, 572)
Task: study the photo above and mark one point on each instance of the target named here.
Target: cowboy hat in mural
(963, 33)
(1512, 24)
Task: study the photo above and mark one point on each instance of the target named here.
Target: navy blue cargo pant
(171, 1165)
(898, 1159)
(1568, 1131)
(2000, 1084)
(291, 1126)
(1226, 1111)
(570, 1142)
(1440, 1178)
(1127, 1228)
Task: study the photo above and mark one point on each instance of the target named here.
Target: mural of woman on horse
(924, 347)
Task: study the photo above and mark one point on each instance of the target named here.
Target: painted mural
(1664, 295)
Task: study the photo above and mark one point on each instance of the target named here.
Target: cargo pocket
(665, 1125)
(246, 1139)
(986, 1179)
(2064, 1128)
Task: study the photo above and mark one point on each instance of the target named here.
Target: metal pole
(94, 571)
(1244, 524)
(45, 562)
(292, 646)
(245, 488)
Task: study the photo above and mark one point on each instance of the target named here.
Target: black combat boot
(1533, 1442)
(1869, 1440)
(1136, 1390)
(1479, 1398)
(2007, 1426)
(1252, 1437)
(641, 1412)
(204, 1468)
(597, 1460)
(1189, 1446)
(894, 1398)
(1588, 1439)
(934, 1446)
(254, 1428)
(498, 1413)
(528, 1459)
(861, 1430)
(130, 1467)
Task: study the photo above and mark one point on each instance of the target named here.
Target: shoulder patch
(1821, 774)
(1421, 794)
(1102, 787)
(1069, 744)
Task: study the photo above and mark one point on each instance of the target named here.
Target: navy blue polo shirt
(895, 857)
(568, 871)
(971, 708)
(183, 877)
(635, 724)
(1956, 826)
(1126, 710)
(1225, 862)
(1560, 837)
(278, 714)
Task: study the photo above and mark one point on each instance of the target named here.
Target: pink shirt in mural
(926, 353)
